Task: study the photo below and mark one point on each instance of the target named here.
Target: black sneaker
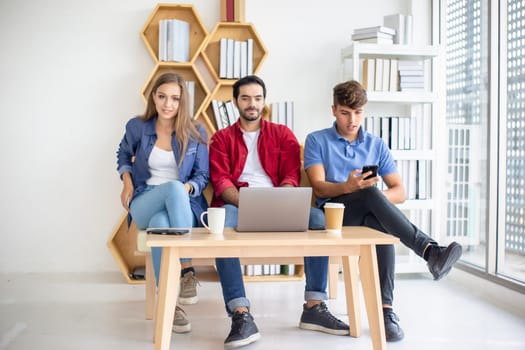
(318, 318)
(393, 331)
(441, 259)
(243, 332)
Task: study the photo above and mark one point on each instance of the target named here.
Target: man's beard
(250, 117)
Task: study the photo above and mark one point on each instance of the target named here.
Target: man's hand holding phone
(369, 171)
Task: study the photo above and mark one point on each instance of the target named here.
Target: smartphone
(167, 231)
(372, 168)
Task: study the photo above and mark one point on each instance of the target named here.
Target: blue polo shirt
(339, 157)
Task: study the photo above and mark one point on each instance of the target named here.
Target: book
(409, 30)
(394, 133)
(282, 113)
(289, 116)
(362, 36)
(378, 83)
(236, 59)
(412, 78)
(223, 51)
(243, 59)
(163, 40)
(239, 11)
(385, 130)
(249, 56)
(369, 73)
(397, 22)
(422, 178)
(230, 10)
(394, 75)
(230, 44)
(412, 179)
(216, 113)
(376, 40)
(375, 29)
(230, 110)
(223, 116)
(385, 85)
(178, 40)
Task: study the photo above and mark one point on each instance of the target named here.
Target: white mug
(216, 217)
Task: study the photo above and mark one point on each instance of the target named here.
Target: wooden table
(356, 245)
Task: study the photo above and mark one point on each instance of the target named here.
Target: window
(467, 120)
(511, 261)
(475, 131)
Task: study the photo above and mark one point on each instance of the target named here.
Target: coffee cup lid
(334, 205)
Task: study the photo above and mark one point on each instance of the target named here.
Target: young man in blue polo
(333, 159)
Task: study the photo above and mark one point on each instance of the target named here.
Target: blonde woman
(163, 163)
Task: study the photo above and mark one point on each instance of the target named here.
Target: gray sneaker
(181, 324)
(318, 318)
(188, 289)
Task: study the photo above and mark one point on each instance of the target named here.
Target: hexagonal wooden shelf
(122, 244)
(237, 31)
(189, 73)
(187, 13)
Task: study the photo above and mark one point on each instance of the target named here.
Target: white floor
(100, 311)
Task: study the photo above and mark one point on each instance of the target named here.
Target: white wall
(71, 75)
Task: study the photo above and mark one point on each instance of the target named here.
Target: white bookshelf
(385, 103)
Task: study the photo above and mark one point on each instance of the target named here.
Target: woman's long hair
(183, 125)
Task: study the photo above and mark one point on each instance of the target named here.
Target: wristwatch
(192, 189)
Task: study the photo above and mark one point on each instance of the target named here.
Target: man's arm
(290, 162)
(230, 196)
(395, 191)
(326, 189)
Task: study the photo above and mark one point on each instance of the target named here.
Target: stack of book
(225, 113)
(411, 75)
(236, 58)
(283, 113)
(268, 270)
(174, 40)
(380, 74)
(403, 25)
(377, 34)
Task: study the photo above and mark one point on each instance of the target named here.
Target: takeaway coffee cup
(334, 217)
(215, 220)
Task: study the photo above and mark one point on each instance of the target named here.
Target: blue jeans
(370, 208)
(230, 274)
(166, 205)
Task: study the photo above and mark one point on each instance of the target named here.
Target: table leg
(372, 294)
(352, 294)
(167, 297)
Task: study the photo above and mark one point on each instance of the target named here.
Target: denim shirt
(134, 151)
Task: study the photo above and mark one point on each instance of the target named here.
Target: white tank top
(253, 172)
(162, 167)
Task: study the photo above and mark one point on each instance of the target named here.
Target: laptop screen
(274, 209)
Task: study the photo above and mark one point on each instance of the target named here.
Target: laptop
(274, 209)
